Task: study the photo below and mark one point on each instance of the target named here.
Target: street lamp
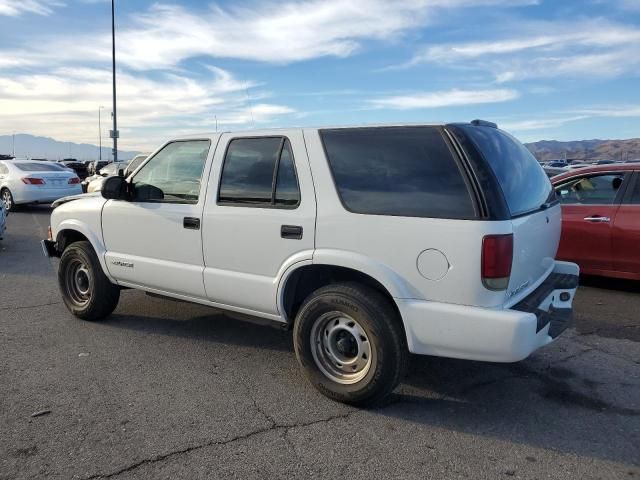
(100, 131)
(114, 133)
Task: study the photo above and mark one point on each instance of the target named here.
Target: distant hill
(31, 146)
(586, 149)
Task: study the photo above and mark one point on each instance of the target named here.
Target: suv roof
(279, 130)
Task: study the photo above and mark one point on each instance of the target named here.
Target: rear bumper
(44, 195)
(493, 335)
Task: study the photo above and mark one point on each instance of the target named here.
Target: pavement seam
(164, 456)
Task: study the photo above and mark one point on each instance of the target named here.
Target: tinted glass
(593, 190)
(401, 171)
(635, 196)
(174, 173)
(523, 181)
(287, 191)
(247, 175)
(38, 167)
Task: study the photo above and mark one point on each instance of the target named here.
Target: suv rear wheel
(86, 290)
(351, 343)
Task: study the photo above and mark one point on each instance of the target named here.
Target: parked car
(601, 219)
(23, 182)
(95, 182)
(556, 164)
(96, 166)
(603, 162)
(3, 220)
(77, 166)
(368, 242)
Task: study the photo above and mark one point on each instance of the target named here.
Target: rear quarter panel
(390, 246)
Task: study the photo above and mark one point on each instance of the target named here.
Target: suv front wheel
(86, 290)
(351, 344)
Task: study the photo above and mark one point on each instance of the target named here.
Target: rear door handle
(192, 223)
(597, 219)
(291, 231)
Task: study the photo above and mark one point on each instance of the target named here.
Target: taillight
(32, 181)
(74, 180)
(497, 256)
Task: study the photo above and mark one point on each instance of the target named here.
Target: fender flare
(95, 240)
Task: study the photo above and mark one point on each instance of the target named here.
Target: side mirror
(115, 188)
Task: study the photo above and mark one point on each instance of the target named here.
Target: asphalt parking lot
(173, 390)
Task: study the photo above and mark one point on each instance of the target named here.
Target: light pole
(100, 131)
(114, 132)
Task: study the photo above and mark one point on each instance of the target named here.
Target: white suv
(369, 242)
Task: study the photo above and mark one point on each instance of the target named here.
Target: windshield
(524, 184)
(38, 167)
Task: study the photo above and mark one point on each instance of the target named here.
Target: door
(259, 218)
(154, 240)
(589, 205)
(626, 231)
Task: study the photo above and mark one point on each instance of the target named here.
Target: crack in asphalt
(164, 456)
(23, 307)
(593, 347)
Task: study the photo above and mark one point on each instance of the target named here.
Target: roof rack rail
(483, 123)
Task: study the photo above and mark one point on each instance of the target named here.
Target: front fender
(95, 238)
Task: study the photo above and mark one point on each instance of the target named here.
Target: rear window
(399, 171)
(38, 167)
(524, 184)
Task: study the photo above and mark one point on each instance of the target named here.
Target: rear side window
(399, 171)
(37, 167)
(524, 184)
(259, 172)
(591, 190)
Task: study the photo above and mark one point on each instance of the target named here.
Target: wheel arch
(70, 231)
(304, 278)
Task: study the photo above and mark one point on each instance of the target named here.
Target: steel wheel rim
(341, 348)
(6, 198)
(78, 282)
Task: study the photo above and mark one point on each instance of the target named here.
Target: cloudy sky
(545, 69)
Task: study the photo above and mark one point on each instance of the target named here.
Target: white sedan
(25, 181)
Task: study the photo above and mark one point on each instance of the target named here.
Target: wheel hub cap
(341, 348)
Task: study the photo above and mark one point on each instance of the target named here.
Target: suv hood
(71, 198)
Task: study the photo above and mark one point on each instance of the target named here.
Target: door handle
(597, 219)
(291, 231)
(192, 223)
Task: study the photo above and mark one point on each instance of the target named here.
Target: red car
(601, 219)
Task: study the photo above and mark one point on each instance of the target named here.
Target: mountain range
(590, 150)
(31, 146)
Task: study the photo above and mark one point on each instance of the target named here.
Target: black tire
(93, 300)
(7, 197)
(382, 330)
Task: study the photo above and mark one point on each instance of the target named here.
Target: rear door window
(259, 172)
(591, 190)
(524, 184)
(399, 171)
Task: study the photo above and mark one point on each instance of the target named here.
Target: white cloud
(558, 119)
(63, 103)
(597, 47)
(448, 98)
(13, 8)
(269, 31)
